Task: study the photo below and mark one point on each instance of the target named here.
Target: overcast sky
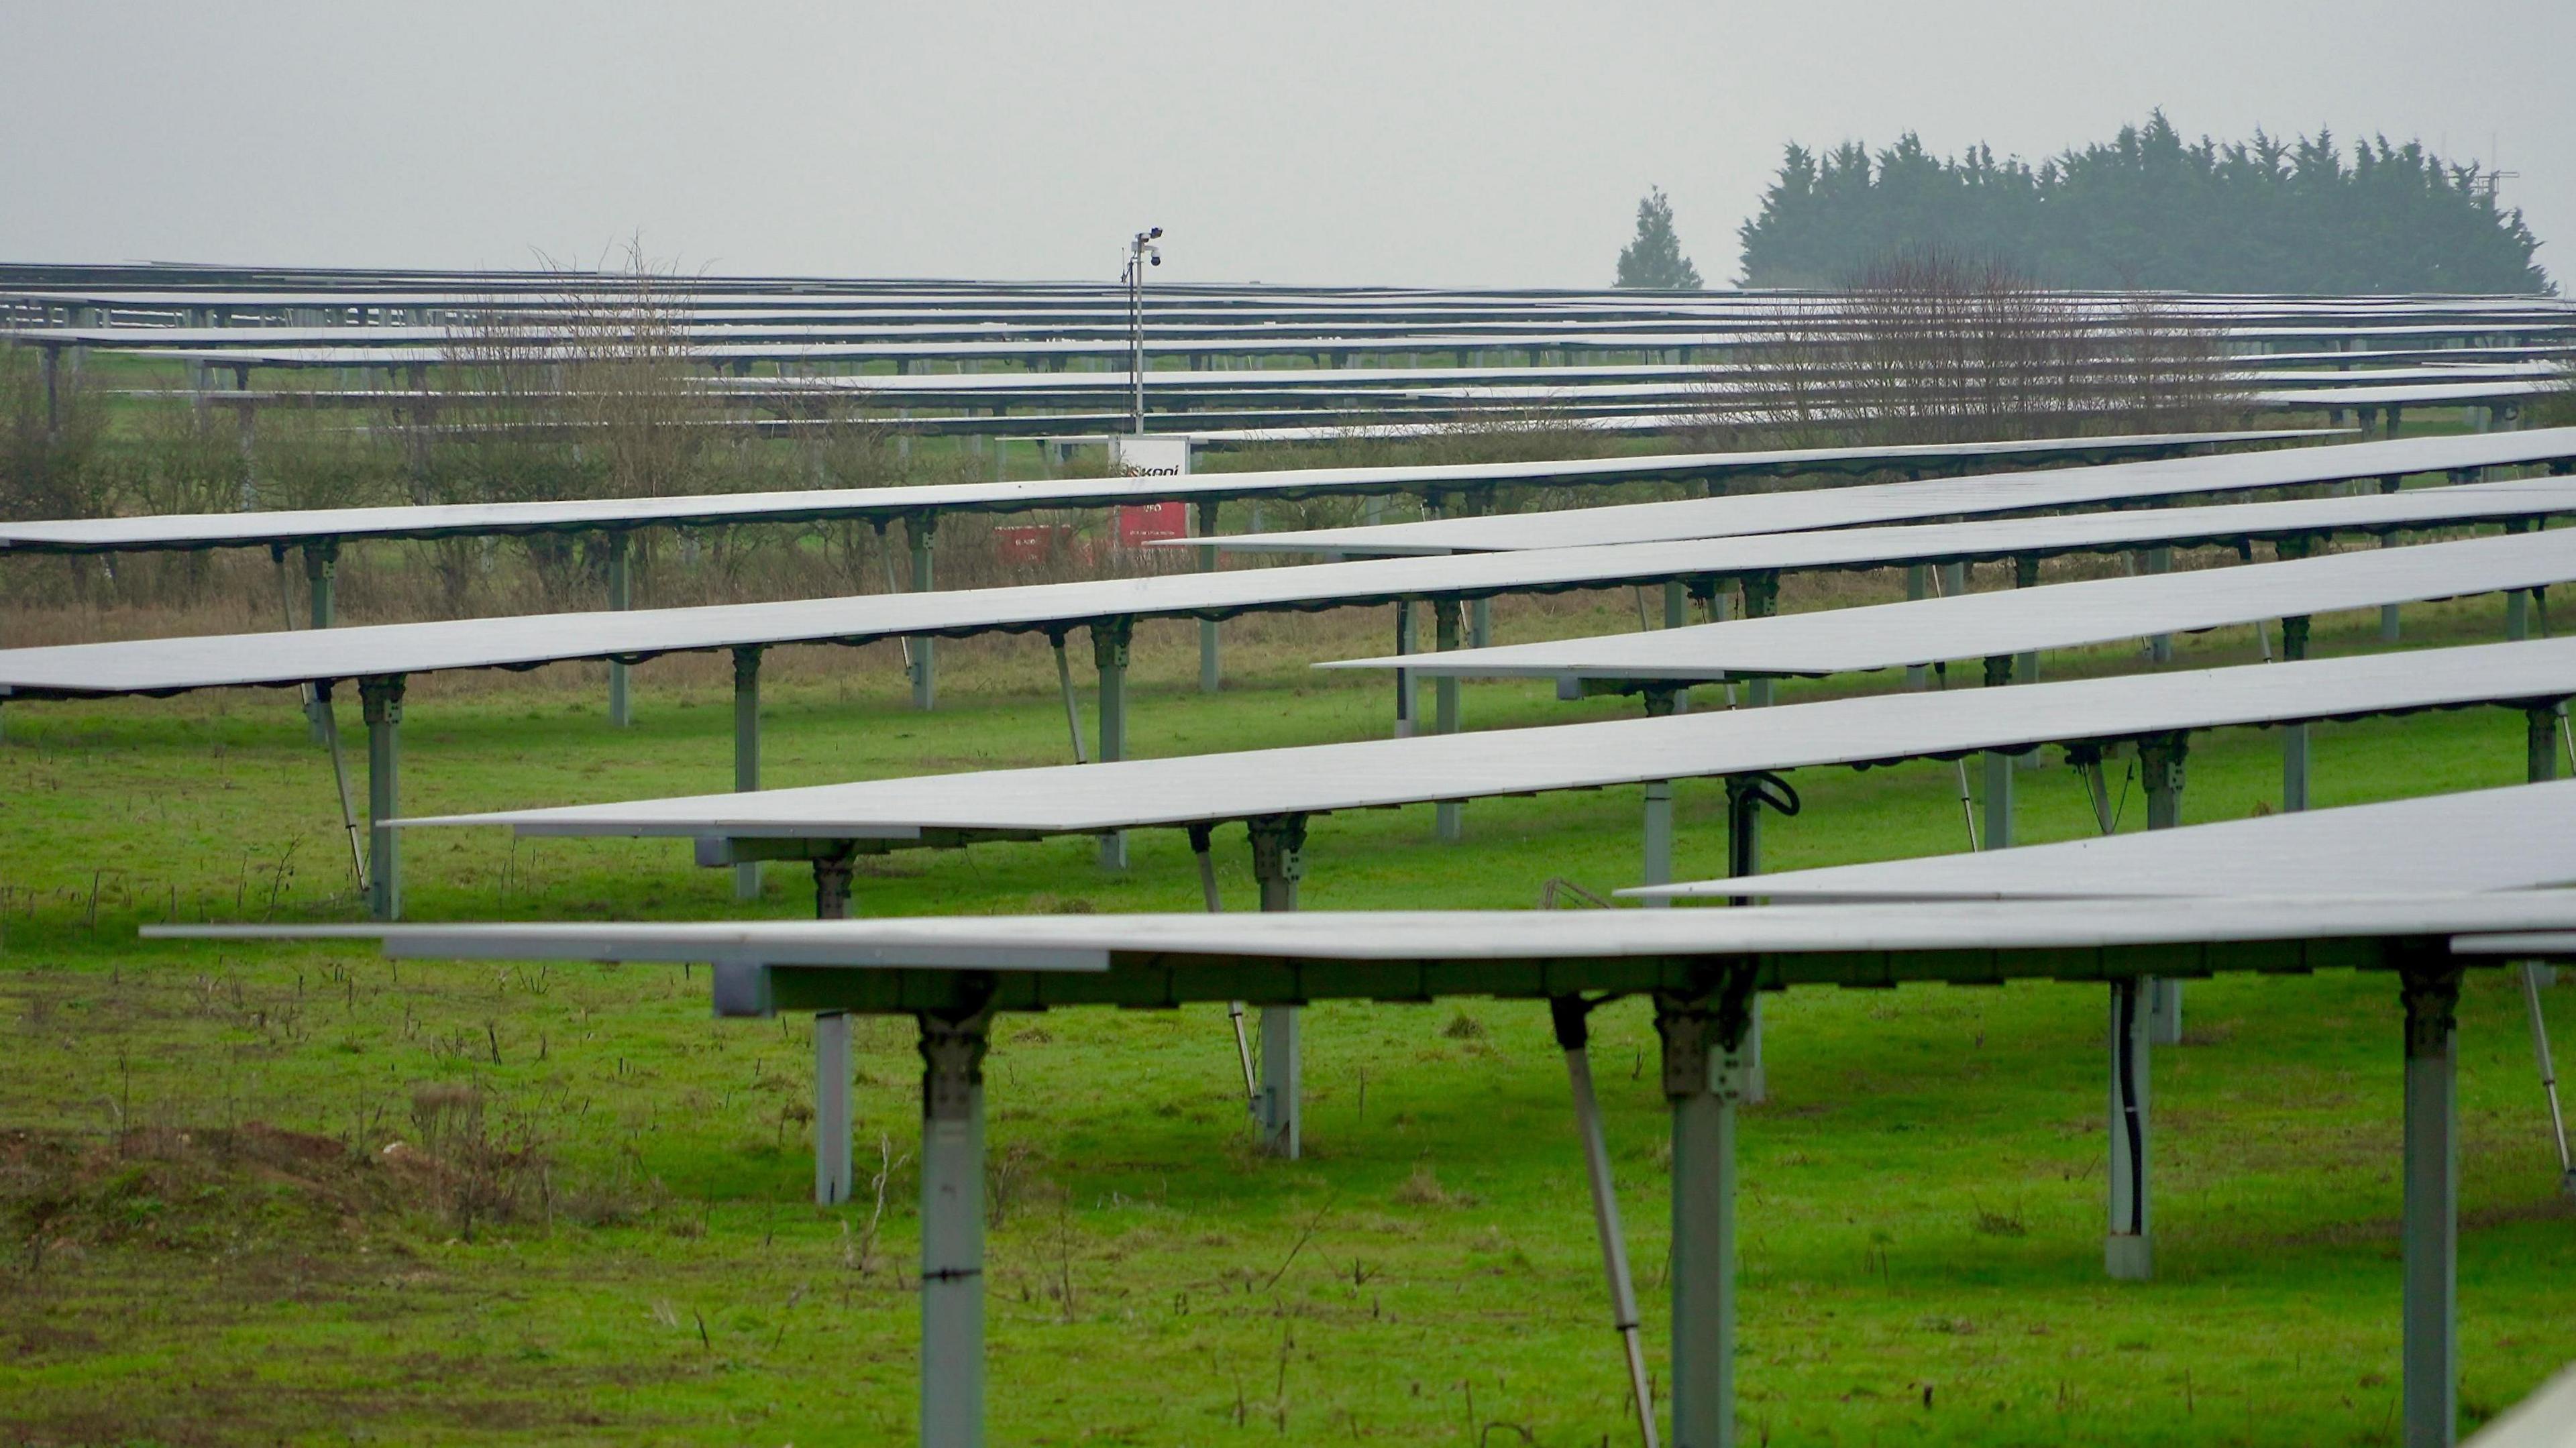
(1491, 144)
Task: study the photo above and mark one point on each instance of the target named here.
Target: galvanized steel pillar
(1999, 767)
(1571, 1017)
(380, 701)
(2160, 768)
(2430, 990)
(746, 751)
(1109, 645)
(1449, 814)
(1702, 1069)
(1211, 676)
(2026, 666)
(921, 530)
(832, 876)
(1761, 600)
(2160, 646)
(2128, 1251)
(952, 1230)
(2388, 620)
(621, 595)
(1917, 586)
(53, 393)
(832, 1119)
(321, 568)
(1658, 833)
(1746, 797)
(1658, 863)
(321, 563)
(2294, 737)
(1405, 699)
(832, 1124)
(2540, 765)
(1480, 612)
(1278, 863)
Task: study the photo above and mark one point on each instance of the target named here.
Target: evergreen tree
(1654, 261)
(2149, 209)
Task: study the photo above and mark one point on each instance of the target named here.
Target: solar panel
(2518, 838)
(197, 530)
(2025, 620)
(1318, 779)
(174, 665)
(1177, 942)
(1932, 498)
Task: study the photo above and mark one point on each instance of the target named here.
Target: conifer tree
(1654, 260)
(2150, 209)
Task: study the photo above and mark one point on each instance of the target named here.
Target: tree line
(2148, 209)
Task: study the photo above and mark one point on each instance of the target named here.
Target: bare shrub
(1926, 348)
(52, 462)
(1422, 1189)
(306, 456)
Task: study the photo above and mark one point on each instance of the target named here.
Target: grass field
(303, 1195)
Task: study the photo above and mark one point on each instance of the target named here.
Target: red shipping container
(1152, 523)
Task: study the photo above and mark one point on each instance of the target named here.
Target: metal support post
(321, 570)
(1211, 676)
(2160, 646)
(832, 1125)
(746, 751)
(2128, 1251)
(380, 702)
(1571, 1018)
(1109, 644)
(1676, 603)
(1449, 814)
(2294, 737)
(833, 1171)
(2532, 982)
(2540, 764)
(1659, 839)
(621, 595)
(1072, 709)
(2517, 602)
(2388, 620)
(53, 393)
(1702, 1037)
(1278, 863)
(1761, 600)
(2160, 770)
(1404, 695)
(952, 1230)
(1918, 583)
(1477, 503)
(2430, 990)
(1747, 795)
(2026, 666)
(329, 719)
(1999, 768)
(832, 876)
(1202, 838)
(921, 530)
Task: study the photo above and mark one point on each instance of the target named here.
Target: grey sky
(1502, 143)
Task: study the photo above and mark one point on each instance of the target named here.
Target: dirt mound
(204, 1189)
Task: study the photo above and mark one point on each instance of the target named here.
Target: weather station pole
(1141, 253)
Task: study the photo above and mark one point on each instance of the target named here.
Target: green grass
(1922, 1201)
